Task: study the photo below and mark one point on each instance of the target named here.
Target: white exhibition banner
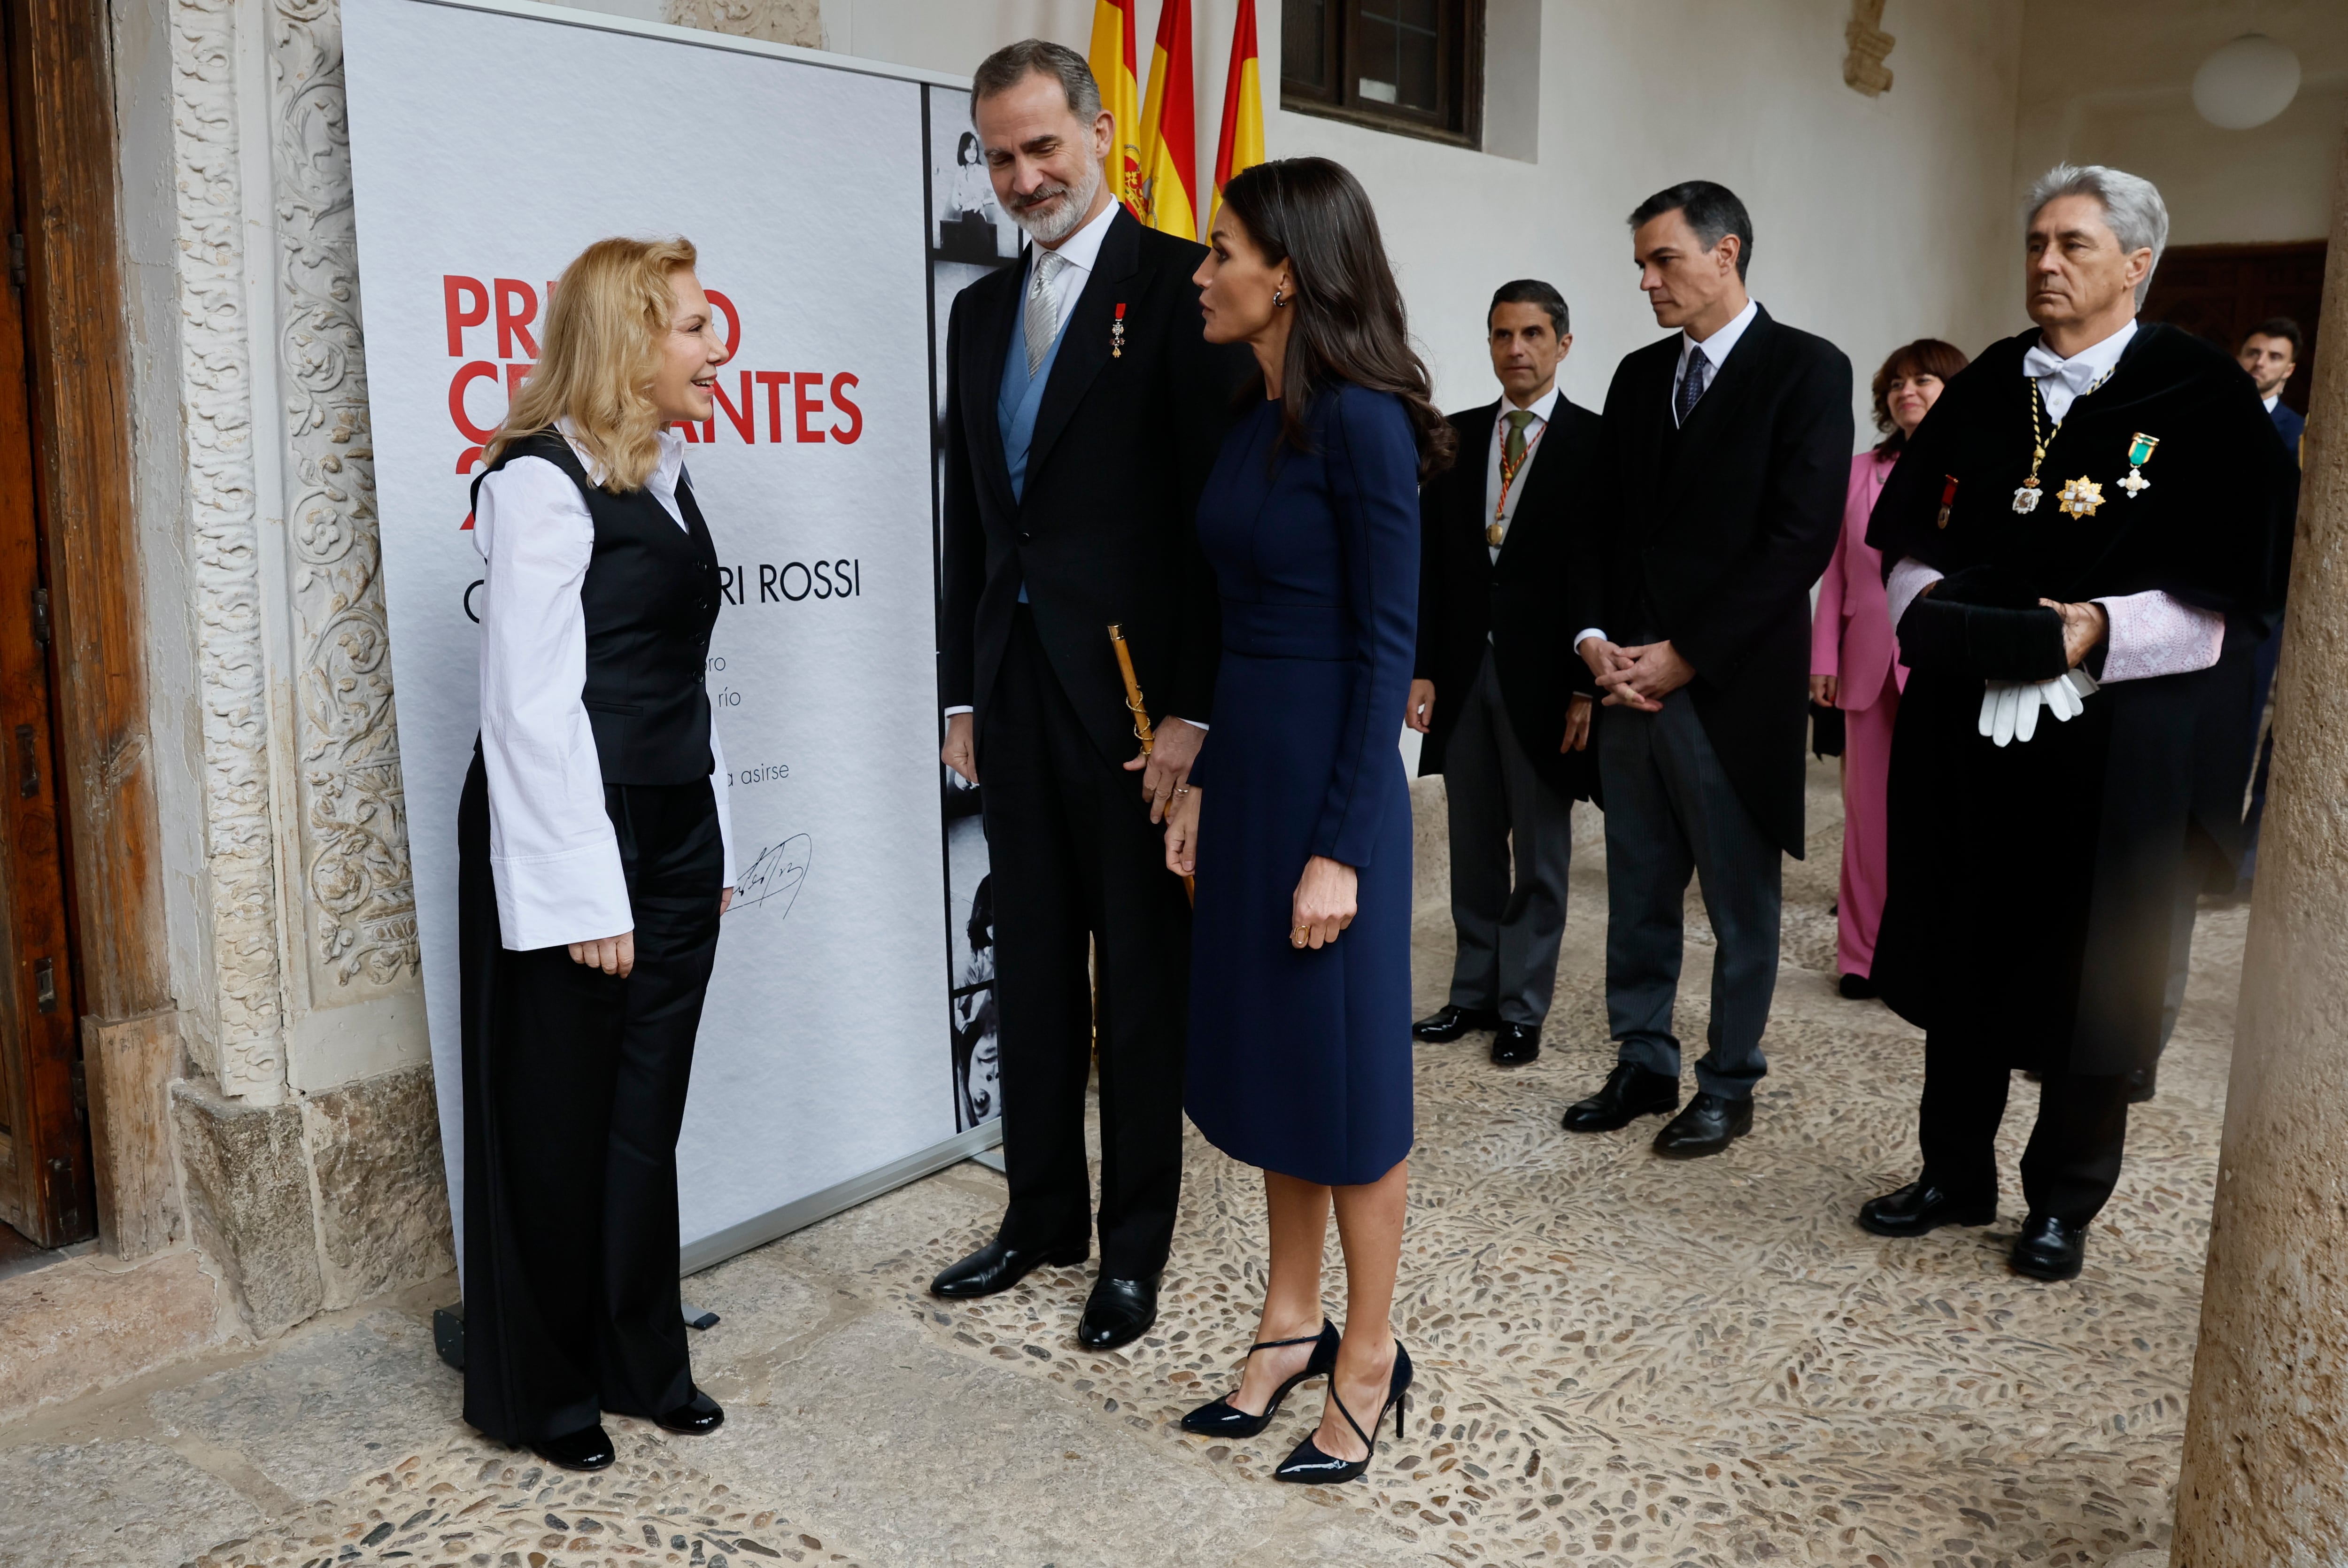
(849, 1022)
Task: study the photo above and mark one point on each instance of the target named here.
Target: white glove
(2009, 711)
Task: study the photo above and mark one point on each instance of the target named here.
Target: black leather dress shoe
(2143, 1084)
(1514, 1045)
(1447, 1023)
(2050, 1249)
(1919, 1207)
(588, 1448)
(1630, 1093)
(1118, 1312)
(995, 1267)
(1708, 1126)
(697, 1418)
(1857, 987)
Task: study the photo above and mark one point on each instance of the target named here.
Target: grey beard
(1063, 220)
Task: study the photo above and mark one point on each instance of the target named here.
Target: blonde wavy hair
(605, 327)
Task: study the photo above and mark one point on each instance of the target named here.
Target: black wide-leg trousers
(574, 1092)
(2073, 1161)
(1076, 859)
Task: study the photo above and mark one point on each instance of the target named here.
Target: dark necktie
(1691, 384)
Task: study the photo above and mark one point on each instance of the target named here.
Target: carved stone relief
(354, 865)
(797, 21)
(1863, 68)
(216, 389)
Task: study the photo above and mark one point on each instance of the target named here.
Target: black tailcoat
(2034, 885)
(1712, 535)
(1106, 529)
(1518, 601)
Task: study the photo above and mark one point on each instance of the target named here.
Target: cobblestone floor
(1623, 1362)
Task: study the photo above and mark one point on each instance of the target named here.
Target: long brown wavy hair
(1925, 356)
(1350, 324)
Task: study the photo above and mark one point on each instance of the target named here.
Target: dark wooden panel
(2222, 292)
(77, 378)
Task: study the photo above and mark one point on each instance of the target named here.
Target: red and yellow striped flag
(1241, 143)
(1170, 136)
(1112, 62)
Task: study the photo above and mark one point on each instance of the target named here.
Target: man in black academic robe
(1503, 704)
(1084, 410)
(1726, 457)
(2040, 822)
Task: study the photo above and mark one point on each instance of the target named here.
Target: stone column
(2265, 1479)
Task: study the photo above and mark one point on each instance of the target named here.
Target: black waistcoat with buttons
(651, 597)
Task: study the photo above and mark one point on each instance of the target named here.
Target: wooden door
(45, 1158)
(2223, 291)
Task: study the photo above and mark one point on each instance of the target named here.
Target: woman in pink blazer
(1855, 659)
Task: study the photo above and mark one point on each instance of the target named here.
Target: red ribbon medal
(1948, 496)
(1117, 333)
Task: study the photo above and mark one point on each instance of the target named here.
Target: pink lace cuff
(2154, 634)
(1908, 579)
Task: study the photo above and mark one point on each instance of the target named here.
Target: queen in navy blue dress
(1297, 816)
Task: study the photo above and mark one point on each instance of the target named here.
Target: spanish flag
(1112, 62)
(1241, 144)
(1169, 137)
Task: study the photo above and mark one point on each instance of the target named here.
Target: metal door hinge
(41, 616)
(45, 985)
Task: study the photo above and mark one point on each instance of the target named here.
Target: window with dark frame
(1407, 66)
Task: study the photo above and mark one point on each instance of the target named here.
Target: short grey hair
(2132, 206)
(1015, 62)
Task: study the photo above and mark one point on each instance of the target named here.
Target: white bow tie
(2078, 374)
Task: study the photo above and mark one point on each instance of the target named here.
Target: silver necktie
(1043, 308)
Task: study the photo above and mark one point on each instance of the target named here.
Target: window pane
(1305, 41)
(1398, 53)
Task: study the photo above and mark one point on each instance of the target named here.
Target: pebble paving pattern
(479, 1505)
(1626, 1361)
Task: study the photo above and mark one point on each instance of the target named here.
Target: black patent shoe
(1224, 1419)
(1447, 1023)
(1709, 1124)
(2143, 1084)
(2050, 1249)
(1920, 1207)
(1630, 1093)
(697, 1418)
(1857, 987)
(995, 1267)
(1308, 1466)
(1118, 1312)
(1514, 1045)
(588, 1448)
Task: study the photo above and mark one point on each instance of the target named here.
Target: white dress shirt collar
(2271, 402)
(661, 481)
(1080, 250)
(2062, 382)
(1720, 345)
(1541, 407)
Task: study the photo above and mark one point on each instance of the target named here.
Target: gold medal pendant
(2080, 498)
(2141, 447)
(2026, 499)
(1494, 532)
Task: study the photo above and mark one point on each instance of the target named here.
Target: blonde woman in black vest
(594, 864)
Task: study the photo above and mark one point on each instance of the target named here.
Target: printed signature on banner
(774, 876)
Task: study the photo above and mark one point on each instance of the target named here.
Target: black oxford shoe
(1919, 1207)
(1447, 1023)
(697, 1418)
(1708, 1126)
(1857, 987)
(2050, 1249)
(1118, 1312)
(588, 1448)
(1630, 1093)
(1514, 1045)
(995, 1267)
(2143, 1084)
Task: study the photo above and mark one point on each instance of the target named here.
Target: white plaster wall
(1876, 220)
(2134, 110)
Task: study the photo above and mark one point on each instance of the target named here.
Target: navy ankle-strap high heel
(1224, 1419)
(1308, 1466)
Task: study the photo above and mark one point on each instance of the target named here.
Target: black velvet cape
(2034, 887)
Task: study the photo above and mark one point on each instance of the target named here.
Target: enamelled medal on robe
(2141, 447)
(2081, 497)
